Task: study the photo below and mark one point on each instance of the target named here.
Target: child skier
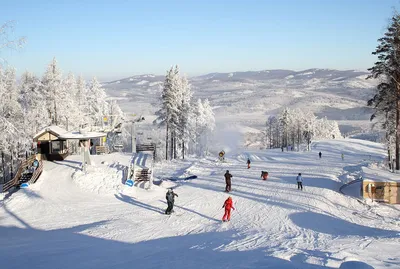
(299, 180)
(228, 205)
(264, 175)
(248, 163)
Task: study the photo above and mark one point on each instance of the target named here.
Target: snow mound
(101, 180)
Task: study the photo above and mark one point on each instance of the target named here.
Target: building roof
(82, 136)
(55, 130)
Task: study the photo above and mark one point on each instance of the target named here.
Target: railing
(23, 166)
(36, 174)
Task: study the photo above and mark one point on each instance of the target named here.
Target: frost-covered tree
(185, 113)
(33, 104)
(387, 98)
(205, 124)
(11, 109)
(69, 110)
(53, 88)
(97, 104)
(168, 115)
(294, 126)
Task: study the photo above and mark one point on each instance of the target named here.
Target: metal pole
(4, 167)
(12, 174)
(133, 137)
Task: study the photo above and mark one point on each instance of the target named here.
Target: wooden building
(49, 144)
(386, 191)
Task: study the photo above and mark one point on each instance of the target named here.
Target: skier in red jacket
(228, 205)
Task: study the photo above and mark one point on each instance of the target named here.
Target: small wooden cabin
(49, 144)
(385, 191)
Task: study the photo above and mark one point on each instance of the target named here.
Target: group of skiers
(228, 204)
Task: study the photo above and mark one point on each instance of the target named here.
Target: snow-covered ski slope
(72, 220)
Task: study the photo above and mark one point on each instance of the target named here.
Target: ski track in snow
(274, 224)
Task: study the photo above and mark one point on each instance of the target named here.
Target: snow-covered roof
(373, 173)
(56, 130)
(85, 135)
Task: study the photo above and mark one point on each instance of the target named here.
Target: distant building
(386, 191)
(49, 144)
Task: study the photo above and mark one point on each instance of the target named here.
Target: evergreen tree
(52, 87)
(387, 98)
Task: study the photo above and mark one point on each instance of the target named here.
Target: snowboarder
(342, 156)
(228, 205)
(320, 154)
(228, 181)
(299, 180)
(264, 175)
(170, 196)
(248, 163)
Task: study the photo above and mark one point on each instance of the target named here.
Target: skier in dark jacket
(228, 181)
(320, 154)
(170, 196)
(248, 163)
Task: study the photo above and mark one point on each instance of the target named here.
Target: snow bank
(101, 180)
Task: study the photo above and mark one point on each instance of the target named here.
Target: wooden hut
(386, 191)
(49, 144)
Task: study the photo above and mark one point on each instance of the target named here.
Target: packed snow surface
(69, 219)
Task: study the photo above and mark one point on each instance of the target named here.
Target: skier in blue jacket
(299, 180)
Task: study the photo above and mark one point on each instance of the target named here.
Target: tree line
(293, 127)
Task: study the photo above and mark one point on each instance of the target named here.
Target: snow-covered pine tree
(200, 122)
(284, 126)
(185, 111)
(387, 97)
(81, 100)
(52, 87)
(208, 121)
(97, 104)
(115, 112)
(11, 108)
(33, 103)
(69, 108)
(271, 126)
(168, 114)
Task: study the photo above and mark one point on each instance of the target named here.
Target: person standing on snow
(299, 180)
(342, 156)
(248, 163)
(228, 181)
(320, 154)
(170, 196)
(228, 205)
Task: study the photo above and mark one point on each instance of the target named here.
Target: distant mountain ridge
(247, 98)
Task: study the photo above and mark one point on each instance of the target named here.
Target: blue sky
(114, 39)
